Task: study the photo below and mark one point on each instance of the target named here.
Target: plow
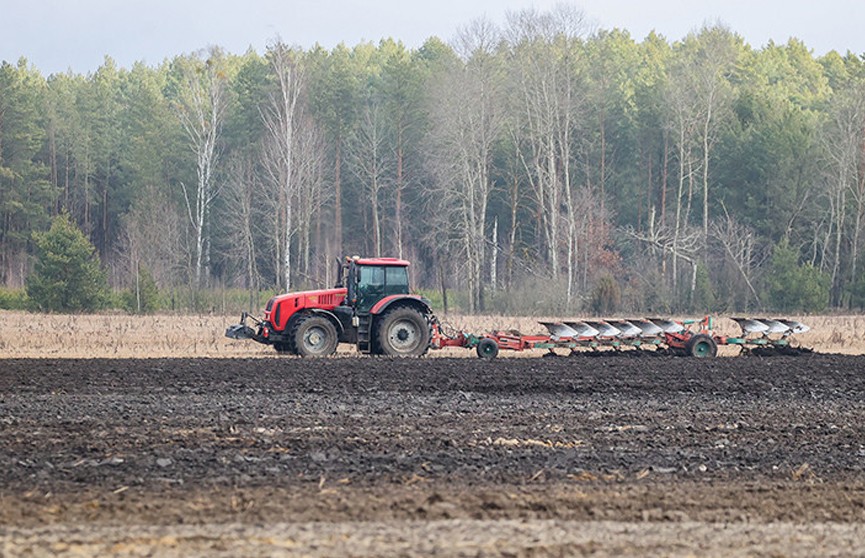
(644, 336)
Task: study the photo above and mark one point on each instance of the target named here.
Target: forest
(536, 166)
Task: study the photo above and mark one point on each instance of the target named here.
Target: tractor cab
(370, 280)
(385, 318)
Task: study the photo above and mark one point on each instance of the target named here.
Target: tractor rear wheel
(701, 346)
(315, 336)
(403, 331)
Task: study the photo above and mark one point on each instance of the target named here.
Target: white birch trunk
(201, 107)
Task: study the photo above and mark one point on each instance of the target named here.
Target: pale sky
(56, 35)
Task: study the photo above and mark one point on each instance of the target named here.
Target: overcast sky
(57, 35)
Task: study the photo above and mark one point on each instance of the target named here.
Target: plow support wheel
(487, 348)
(701, 346)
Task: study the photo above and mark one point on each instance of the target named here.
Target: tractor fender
(413, 300)
(326, 313)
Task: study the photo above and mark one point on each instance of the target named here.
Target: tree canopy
(529, 167)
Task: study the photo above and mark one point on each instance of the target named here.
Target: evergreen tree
(67, 276)
(24, 190)
(793, 286)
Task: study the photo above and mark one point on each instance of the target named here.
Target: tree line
(536, 166)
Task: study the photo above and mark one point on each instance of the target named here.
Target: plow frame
(515, 341)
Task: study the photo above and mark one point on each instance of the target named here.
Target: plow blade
(750, 325)
(775, 326)
(583, 329)
(605, 329)
(648, 328)
(668, 326)
(560, 330)
(627, 329)
(795, 327)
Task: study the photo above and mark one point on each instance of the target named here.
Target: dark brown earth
(368, 456)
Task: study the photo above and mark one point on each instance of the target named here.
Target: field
(24, 335)
(242, 455)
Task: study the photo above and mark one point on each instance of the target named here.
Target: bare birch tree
(366, 156)
(160, 248)
(293, 155)
(844, 145)
(281, 117)
(547, 102)
(467, 121)
(241, 216)
(738, 250)
(683, 127)
(698, 97)
(717, 55)
(858, 184)
(313, 193)
(200, 105)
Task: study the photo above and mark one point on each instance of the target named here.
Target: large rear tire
(701, 346)
(315, 336)
(403, 332)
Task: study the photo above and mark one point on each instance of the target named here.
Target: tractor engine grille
(327, 300)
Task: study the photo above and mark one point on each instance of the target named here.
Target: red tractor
(371, 307)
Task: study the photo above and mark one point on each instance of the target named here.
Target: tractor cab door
(375, 282)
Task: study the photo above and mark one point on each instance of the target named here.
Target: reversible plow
(653, 336)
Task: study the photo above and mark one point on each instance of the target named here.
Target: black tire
(487, 348)
(314, 336)
(403, 332)
(701, 346)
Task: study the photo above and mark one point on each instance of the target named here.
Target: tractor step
(364, 335)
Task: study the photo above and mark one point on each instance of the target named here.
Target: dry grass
(25, 335)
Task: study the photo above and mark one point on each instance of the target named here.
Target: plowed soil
(378, 457)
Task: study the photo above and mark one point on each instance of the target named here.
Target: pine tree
(67, 276)
(793, 286)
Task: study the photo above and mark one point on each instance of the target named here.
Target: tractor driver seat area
(370, 287)
(377, 282)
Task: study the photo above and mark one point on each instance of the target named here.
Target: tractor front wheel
(701, 346)
(403, 332)
(315, 336)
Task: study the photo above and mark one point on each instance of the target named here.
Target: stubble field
(241, 455)
(25, 335)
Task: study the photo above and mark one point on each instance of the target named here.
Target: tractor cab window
(370, 287)
(376, 282)
(396, 280)
(372, 277)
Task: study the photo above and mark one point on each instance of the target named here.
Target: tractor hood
(281, 307)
